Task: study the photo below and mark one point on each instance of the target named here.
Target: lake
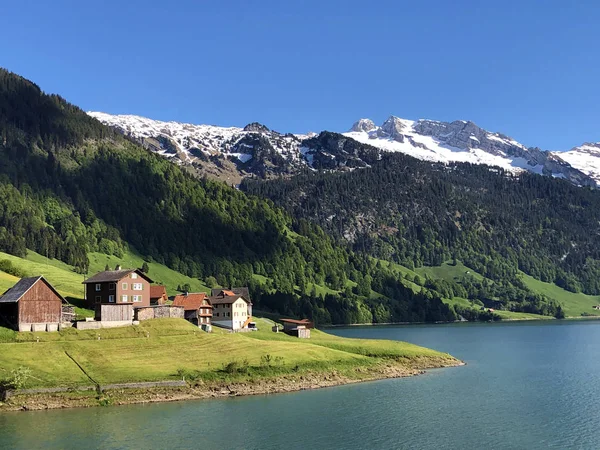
(526, 386)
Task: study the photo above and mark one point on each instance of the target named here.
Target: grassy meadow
(162, 349)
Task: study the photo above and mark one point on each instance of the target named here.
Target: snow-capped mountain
(233, 153)
(462, 141)
(223, 152)
(585, 158)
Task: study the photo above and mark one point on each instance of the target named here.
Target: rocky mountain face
(463, 141)
(232, 154)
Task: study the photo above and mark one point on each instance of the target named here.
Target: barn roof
(114, 276)
(15, 293)
(192, 301)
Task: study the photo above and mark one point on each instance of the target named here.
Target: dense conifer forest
(422, 214)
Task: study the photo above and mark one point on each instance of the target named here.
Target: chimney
(118, 267)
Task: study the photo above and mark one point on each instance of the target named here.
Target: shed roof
(15, 293)
(114, 276)
(157, 291)
(297, 322)
(192, 302)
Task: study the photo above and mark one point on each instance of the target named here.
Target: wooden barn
(32, 305)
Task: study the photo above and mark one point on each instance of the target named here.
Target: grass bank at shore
(213, 365)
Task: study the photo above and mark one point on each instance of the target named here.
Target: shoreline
(540, 319)
(213, 390)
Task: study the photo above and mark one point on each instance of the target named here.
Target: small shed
(32, 305)
(298, 328)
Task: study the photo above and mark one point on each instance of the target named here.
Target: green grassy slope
(449, 272)
(573, 304)
(68, 283)
(59, 274)
(127, 355)
(6, 281)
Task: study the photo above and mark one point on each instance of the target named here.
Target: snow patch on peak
(365, 125)
(585, 158)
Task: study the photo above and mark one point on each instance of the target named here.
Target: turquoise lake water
(525, 386)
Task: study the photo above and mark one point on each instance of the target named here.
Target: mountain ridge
(234, 153)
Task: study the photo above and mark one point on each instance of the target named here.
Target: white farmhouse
(231, 310)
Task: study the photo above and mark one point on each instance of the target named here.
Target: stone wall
(144, 313)
(159, 312)
(68, 313)
(96, 325)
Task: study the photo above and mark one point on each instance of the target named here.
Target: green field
(160, 349)
(449, 272)
(6, 281)
(573, 304)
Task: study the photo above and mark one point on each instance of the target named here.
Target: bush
(235, 367)
(7, 266)
(268, 360)
(17, 379)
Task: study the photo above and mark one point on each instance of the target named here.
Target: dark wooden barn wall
(40, 305)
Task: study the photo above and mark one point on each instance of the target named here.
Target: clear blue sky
(530, 69)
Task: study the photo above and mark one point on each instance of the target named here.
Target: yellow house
(230, 311)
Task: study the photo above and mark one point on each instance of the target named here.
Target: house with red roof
(197, 307)
(158, 295)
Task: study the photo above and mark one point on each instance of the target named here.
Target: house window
(228, 314)
(137, 298)
(123, 298)
(216, 314)
(98, 299)
(124, 286)
(111, 298)
(112, 286)
(138, 286)
(98, 287)
(134, 275)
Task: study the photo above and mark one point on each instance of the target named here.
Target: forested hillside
(418, 213)
(70, 186)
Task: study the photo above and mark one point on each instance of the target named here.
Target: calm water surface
(526, 386)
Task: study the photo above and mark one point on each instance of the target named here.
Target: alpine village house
(197, 307)
(117, 287)
(231, 310)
